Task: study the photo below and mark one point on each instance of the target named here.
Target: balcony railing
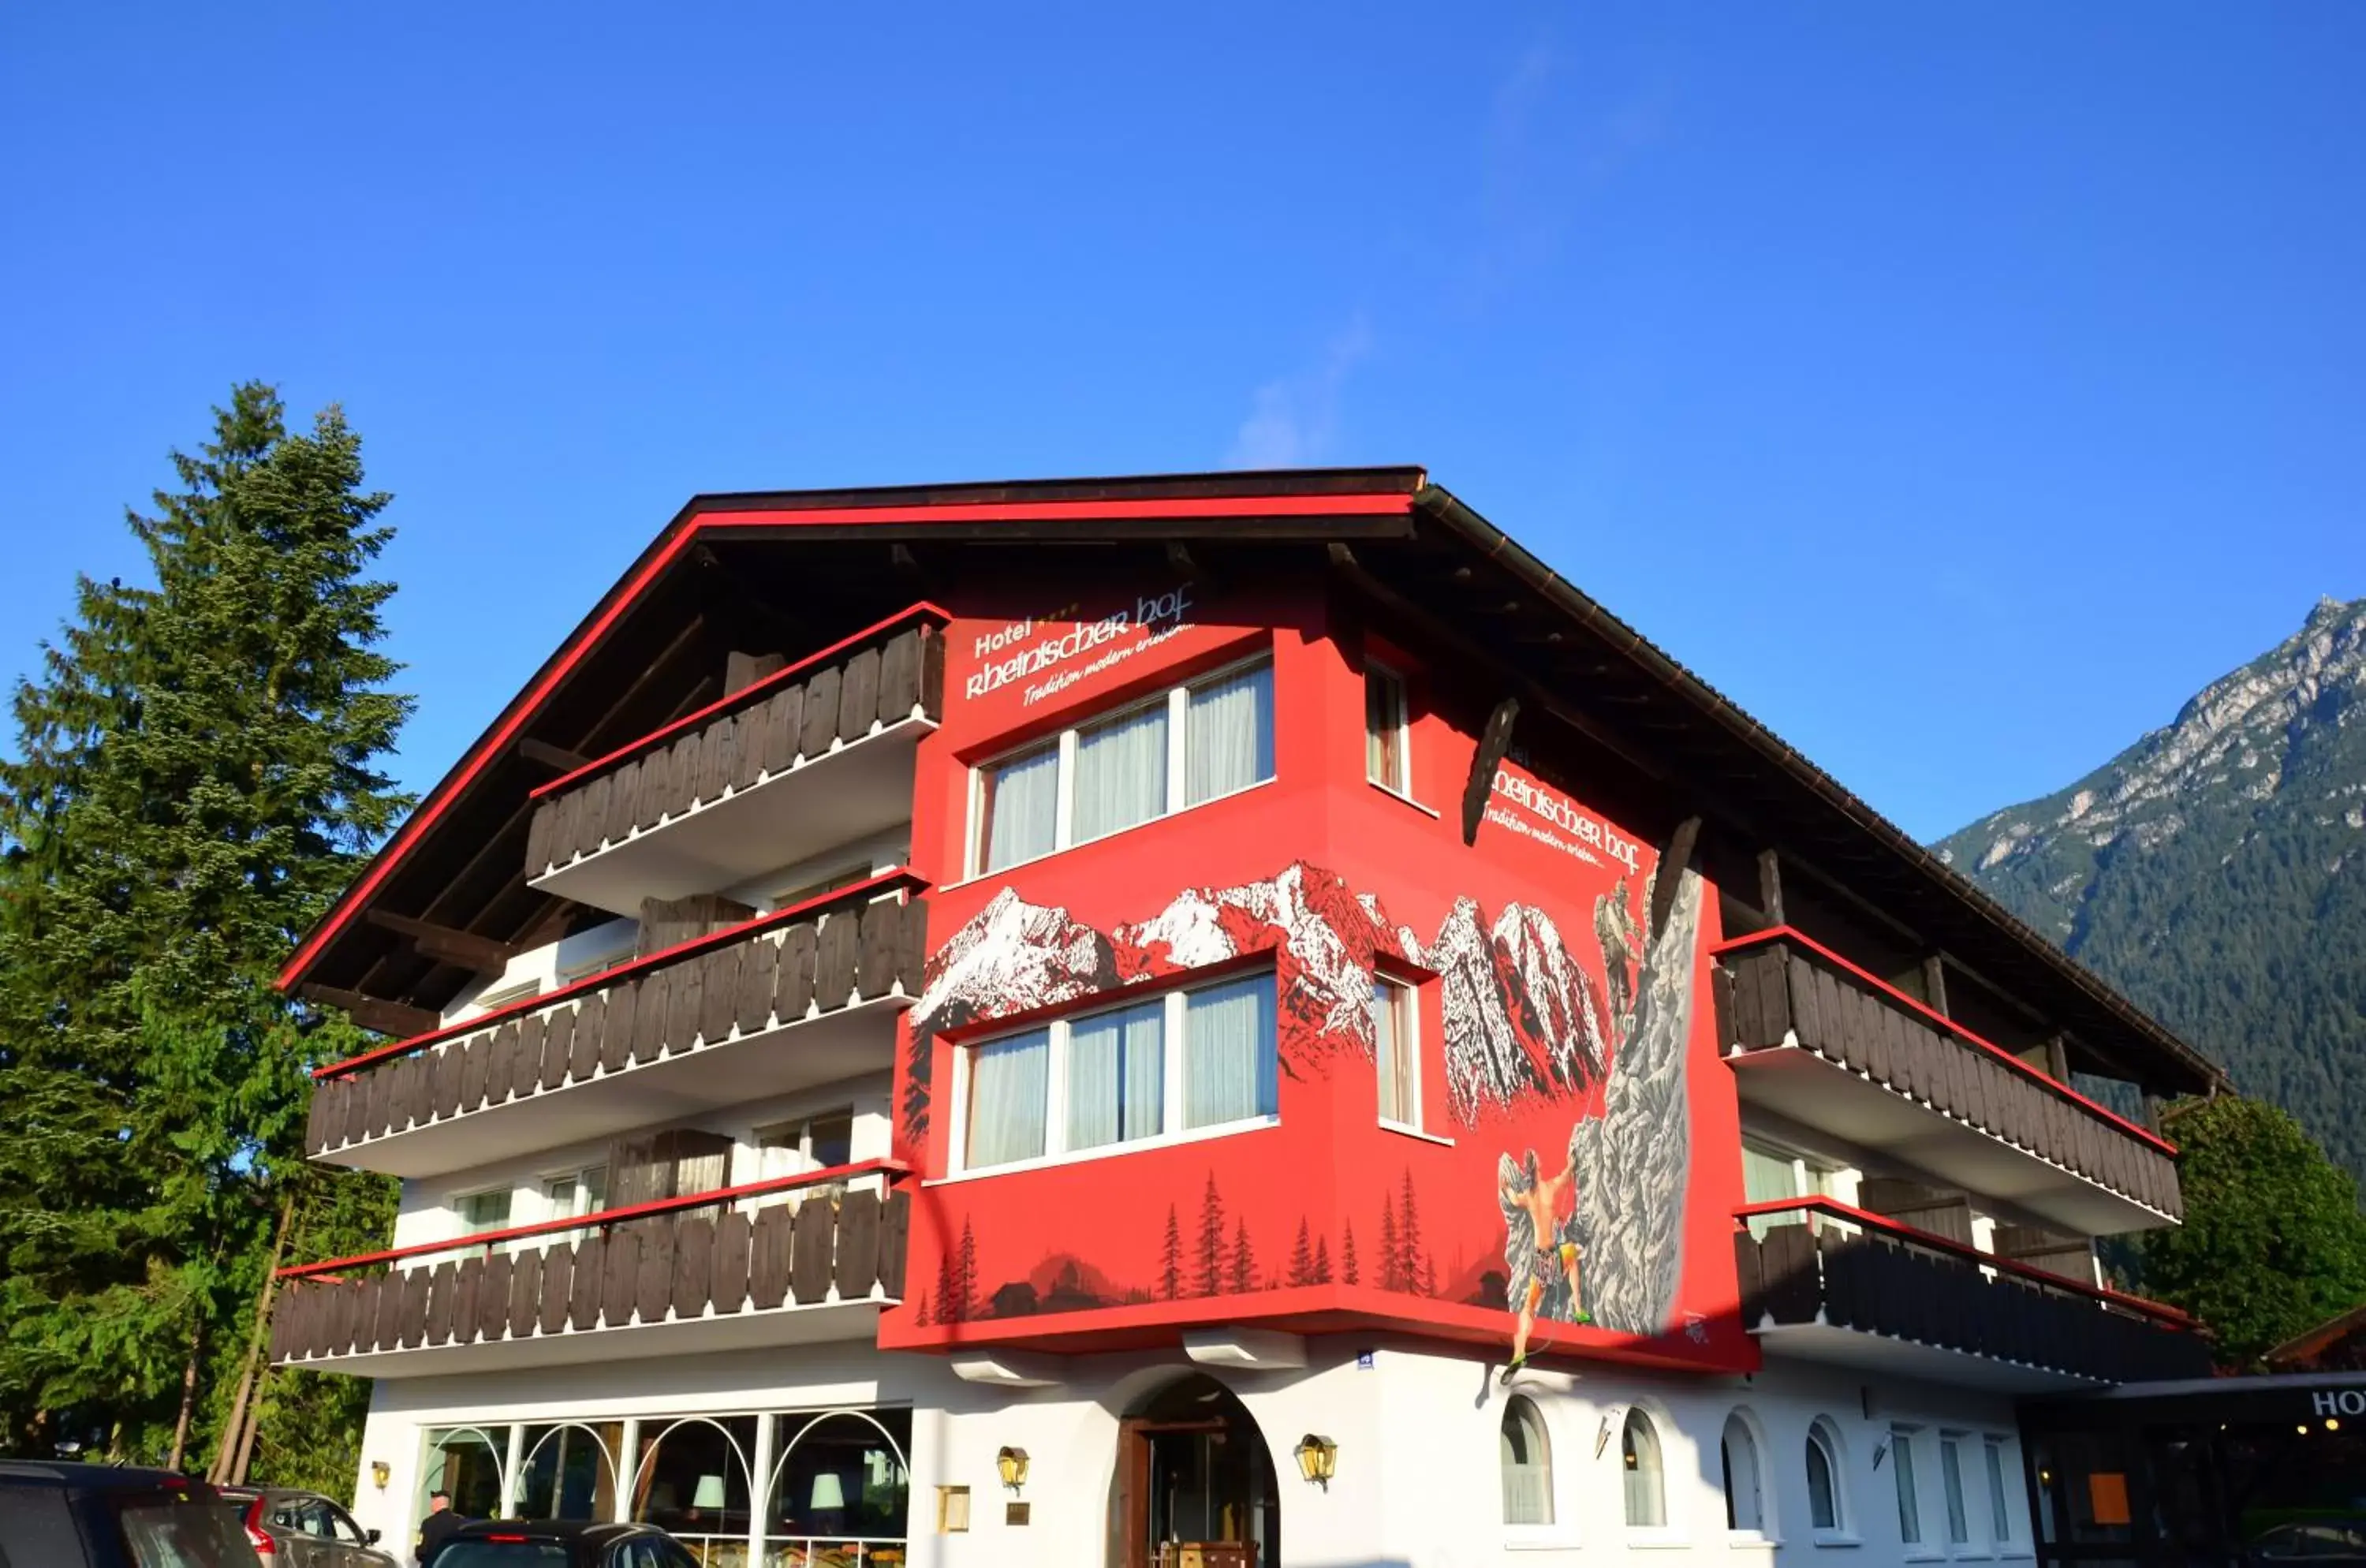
(1840, 1284)
(1817, 1039)
(765, 1277)
(801, 996)
(714, 798)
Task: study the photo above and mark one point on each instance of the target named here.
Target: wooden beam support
(1674, 856)
(741, 670)
(1934, 982)
(1770, 886)
(374, 1013)
(1494, 742)
(2058, 1058)
(445, 944)
(558, 759)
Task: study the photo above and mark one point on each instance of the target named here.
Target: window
(1951, 1481)
(815, 887)
(1393, 1051)
(1745, 1508)
(489, 1001)
(811, 1142)
(1824, 1513)
(484, 1211)
(1183, 748)
(1901, 1469)
(1108, 1078)
(576, 1193)
(1999, 1510)
(1387, 760)
(1773, 1175)
(1639, 1447)
(1527, 1460)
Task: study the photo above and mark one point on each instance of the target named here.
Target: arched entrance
(1195, 1483)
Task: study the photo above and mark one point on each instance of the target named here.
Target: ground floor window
(778, 1489)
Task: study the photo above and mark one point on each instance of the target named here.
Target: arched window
(1825, 1510)
(1647, 1498)
(1526, 1463)
(1745, 1508)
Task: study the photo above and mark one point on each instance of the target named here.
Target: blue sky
(1956, 388)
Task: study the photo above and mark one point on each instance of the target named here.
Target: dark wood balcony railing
(1778, 988)
(878, 678)
(1847, 1269)
(854, 944)
(677, 1260)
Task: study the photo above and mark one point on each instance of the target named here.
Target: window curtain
(1121, 774)
(1022, 797)
(1393, 1051)
(1527, 1483)
(1230, 1067)
(1229, 735)
(1646, 1502)
(1117, 1077)
(1769, 1179)
(1383, 730)
(1007, 1084)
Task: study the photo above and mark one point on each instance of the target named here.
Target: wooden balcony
(1815, 1039)
(682, 1277)
(803, 996)
(1841, 1286)
(813, 756)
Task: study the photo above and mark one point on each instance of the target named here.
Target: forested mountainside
(2215, 871)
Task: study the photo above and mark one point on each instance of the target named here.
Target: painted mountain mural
(2215, 872)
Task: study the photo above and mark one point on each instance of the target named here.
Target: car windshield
(183, 1533)
(483, 1554)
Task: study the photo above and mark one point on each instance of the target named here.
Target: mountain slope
(2215, 872)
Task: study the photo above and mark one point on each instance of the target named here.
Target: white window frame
(2001, 1450)
(1408, 1015)
(1171, 1044)
(1549, 1532)
(1401, 785)
(460, 1201)
(1177, 701)
(1669, 1531)
(492, 998)
(1762, 1532)
(1903, 1459)
(575, 1174)
(803, 1126)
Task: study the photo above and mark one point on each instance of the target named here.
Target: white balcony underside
(750, 1328)
(1824, 1095)
(861, 788)
(848, 1043)
(1885, 1356)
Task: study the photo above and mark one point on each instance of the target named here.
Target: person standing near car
(440, 1522)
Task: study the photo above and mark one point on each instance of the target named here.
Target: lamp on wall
(1318, 1460)
(380, 1473)
(1011, 1465)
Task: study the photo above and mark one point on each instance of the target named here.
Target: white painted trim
(1110, 1151)
(1402, 1130)
(1404, 799)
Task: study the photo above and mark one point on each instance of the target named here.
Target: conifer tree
(196, 777)
(1348, 1256)
(1209, 1279)
(1409, 1269)
(1390, 1256)
(1244, 1260)
(1301, 1258)
(1321, 1260)
(1170, 1272)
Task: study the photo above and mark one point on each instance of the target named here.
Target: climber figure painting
(1539, 1254)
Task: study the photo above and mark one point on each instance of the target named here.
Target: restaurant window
(1194, 1058)
(1184, 747)
(1639, 1451)
(1387, 756)
(467, 1463)
(569, 1471)
(691, 1479)
(840, 1490)
(1394, 1051)
(1525, 1459)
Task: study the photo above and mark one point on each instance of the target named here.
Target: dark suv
(303, 1529)
(90, 1516)
(551, 1543)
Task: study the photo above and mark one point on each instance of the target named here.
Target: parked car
(303, 1529)
(94, 1515)
(2328, 1542)
(560, 1543)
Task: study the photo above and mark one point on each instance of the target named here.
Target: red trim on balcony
(1867, 1220)
(895, 878)
(745, 696)
(1941, 1022)
(1398, 503)
(894, 1169)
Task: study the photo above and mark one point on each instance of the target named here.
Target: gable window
(1638, 1450)
(1393, 1051)
(1183, 748)
(1525, 1459)
(1825, 1515)
(1192, 1059)
(1387, 759)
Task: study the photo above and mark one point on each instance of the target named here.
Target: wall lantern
(382, 1472)
(1318, 1460)
(1012, 1465)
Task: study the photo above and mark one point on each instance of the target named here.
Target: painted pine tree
(1321, 1260)
(1347, 1274)
(1409, 1269)
(1210, 1278)
(1301, 1258)
(1170, 1272)
(965, 1278)
(1244, 1260)
(1390, 1256)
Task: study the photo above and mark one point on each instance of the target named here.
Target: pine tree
(194, 781)
(1209, 1279)
(1244, 1260)
(1429, 1278)
(948, 1282)
(1170, 1270)
(1390, 1256)
(965, 1301)
(1409, 1263)
(1301, 1258)
(1323, 1260)
(1348, 1256)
